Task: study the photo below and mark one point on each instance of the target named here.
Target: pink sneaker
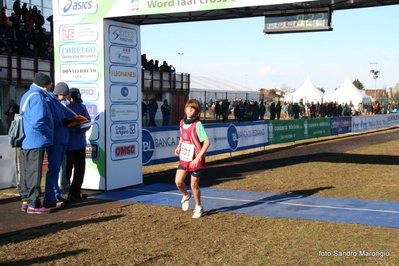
(38, 210)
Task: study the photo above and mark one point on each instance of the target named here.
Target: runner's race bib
(186, 152)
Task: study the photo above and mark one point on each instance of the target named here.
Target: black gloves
(66, 121)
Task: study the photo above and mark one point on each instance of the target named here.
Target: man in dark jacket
(166, 109)
(12, 109)
(296, 110)
(17, 8)
(278, 110)
(152, 111)
(272, 111)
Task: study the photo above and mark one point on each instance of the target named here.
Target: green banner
(281, 131)
(318, 127)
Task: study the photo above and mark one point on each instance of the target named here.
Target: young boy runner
(191, 150)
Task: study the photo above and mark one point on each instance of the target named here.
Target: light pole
(375, 76)
(180, 53)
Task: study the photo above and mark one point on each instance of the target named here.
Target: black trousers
(29, 189)
(76, 163)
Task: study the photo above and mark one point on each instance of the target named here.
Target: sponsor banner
(392, 119)
(359, 123)
(76, 7)
(92, 151)
(123, 74)
(89, 92)
(122, 35)
(314, 128)
(123, 93)
(79, 61)
(79, 73)
(124, 112)
(92, 9)
(123, 127)
(238, 136)
(85, 32)
(92, 109)
(124, 151)
(124, 131)
(78, 52)
(281, 131)
(123, 55)
(363, 123)
(159, 144)
(147, 7)
(341, 125)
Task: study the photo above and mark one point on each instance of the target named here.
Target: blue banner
(341, 125)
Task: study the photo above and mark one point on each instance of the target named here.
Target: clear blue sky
(239, 51)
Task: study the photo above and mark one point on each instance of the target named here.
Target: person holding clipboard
(75, 166)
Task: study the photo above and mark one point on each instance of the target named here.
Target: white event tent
(307, 92)
(347, 93)
(208, 88)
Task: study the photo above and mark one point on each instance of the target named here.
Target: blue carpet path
(292, 206)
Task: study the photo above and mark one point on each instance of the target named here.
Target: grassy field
(141, 234)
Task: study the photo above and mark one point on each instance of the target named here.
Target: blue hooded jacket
(77, 136)
(37, 119)
(61, 132)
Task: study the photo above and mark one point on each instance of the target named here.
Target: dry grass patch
(152, 235)
(335, 176)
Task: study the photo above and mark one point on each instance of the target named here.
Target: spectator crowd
(153, 65)
(334, 109)
(251, 110)
(22, 33)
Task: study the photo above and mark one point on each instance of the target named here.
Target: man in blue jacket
(38, 125)
(56, 152)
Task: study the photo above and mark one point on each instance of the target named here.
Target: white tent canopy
(347, 93)
(208, 88)
(307, 92)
